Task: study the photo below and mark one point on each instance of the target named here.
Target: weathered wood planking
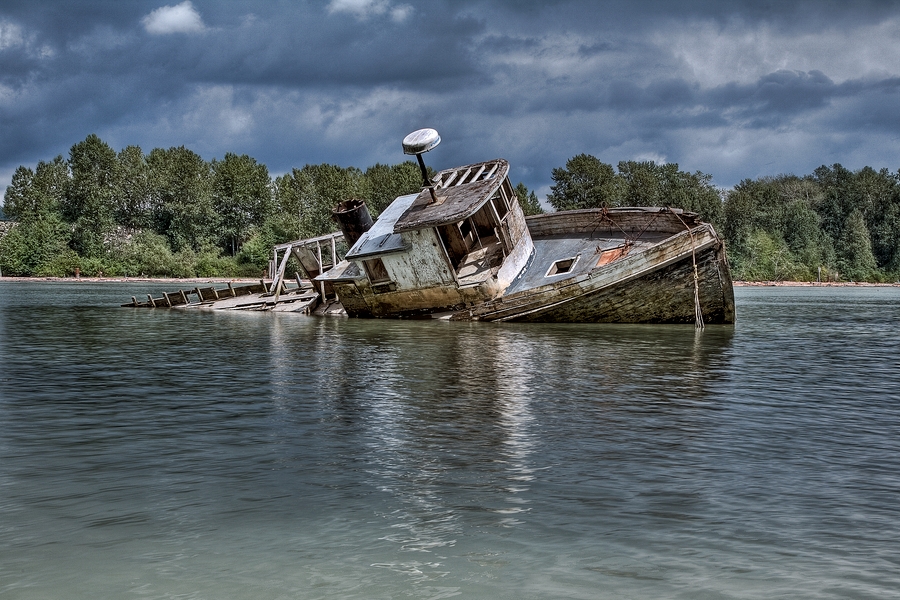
(667, 298)
(664, 295)
(614, 221)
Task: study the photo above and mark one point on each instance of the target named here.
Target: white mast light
(421, 141)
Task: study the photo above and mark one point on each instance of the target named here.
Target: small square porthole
(561, 266)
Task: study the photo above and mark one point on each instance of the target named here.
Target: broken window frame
(557, 268)
(376, 271)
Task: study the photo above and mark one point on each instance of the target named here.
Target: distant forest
(171, 213)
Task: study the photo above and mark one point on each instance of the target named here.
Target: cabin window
(561, 266)
(500, 206)
(484, 222)
(475, 243)
(375, 271)
(454, 243)
(465, 229)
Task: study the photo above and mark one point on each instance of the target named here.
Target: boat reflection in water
(441, 466)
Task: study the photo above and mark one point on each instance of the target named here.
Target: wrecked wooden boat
(462, 249)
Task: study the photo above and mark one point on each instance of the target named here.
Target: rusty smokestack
(353, 218)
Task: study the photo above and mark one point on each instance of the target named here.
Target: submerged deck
(255, 296)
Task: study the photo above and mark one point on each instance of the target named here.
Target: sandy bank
(811, 284)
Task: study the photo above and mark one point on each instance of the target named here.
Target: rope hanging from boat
(698, 313)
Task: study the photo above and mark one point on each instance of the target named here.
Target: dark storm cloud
(777, 95)
(313, 50)
(103, 68)
(719, 86)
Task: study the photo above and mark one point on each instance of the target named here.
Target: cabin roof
(460, 192)
(381, 239)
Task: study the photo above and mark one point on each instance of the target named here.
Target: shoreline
(256, 280)
(812, 284)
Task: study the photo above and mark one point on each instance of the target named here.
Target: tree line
(172, 213)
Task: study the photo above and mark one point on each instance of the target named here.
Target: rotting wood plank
(206, 294)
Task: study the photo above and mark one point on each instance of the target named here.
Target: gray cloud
(735, 89)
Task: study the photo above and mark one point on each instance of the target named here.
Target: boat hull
(664, 295)
(656, 285)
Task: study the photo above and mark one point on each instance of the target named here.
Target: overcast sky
(734, 89)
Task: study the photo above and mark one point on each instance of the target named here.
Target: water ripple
(206, 455)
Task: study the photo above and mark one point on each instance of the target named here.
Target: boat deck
(585, 251)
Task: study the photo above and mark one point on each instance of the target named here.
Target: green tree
(89, 203)
(310, 194)
(33, 195)
(181, 198)
(284, 223)
(783, 208)
(18, 202)
(241, 196)
(386, 183)
(885, 234)
(739, 215)
(133, 190)
(855, 259)
(651, 184)
(585, 182)
(768, 258)
(528, 200)
(148, 253)
(38, 247)
(39, 243)
(836, 201)
(878, 195)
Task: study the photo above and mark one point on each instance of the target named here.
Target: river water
(187, 454)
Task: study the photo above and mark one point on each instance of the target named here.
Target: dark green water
(182, 454)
